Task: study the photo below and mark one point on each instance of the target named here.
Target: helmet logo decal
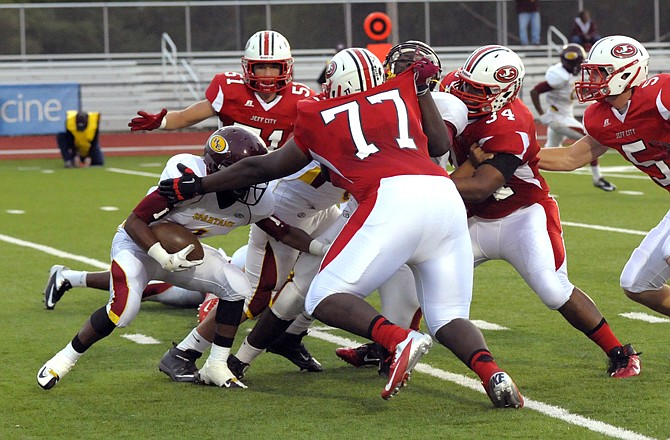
(506, 74)
(624, 50)
(218, 143)
(330, 70)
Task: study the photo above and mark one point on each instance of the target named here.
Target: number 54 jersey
(510, 130)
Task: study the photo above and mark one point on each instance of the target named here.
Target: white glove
(547, 118)
(173, 262)
(317, 248)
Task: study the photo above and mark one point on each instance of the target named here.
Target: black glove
(181, 188)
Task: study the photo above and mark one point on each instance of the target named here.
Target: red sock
(483, 364)
(386, 333)
(603, 336)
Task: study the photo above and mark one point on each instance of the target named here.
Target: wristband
(317, 248)
(163, 123)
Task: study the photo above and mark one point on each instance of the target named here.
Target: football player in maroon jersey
(263, 99)
(376, 138)
(512, 217)
(631, 116)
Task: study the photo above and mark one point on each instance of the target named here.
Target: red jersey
(510, 130)
(642, 133)
(367, 136)
(236, 104)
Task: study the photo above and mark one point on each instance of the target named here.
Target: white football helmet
(490, 79)
(352, 71)
(614, 65)
(403, 55)
(267, 47)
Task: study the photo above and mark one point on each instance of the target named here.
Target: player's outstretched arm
(583, 151)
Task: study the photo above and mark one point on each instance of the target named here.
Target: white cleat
(217, 374)
(503, 392)
(53, 371)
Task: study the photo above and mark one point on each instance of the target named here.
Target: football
(174, 237)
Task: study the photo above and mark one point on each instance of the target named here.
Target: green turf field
(50, 215)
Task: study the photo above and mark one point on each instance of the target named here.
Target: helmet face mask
(403, 55)
(572, 56)
(267, 48)
(614, 65)
(351, 71)
(490, 79)
(228, 145)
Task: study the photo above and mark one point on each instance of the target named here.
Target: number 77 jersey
(365, 137)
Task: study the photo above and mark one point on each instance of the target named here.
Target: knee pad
(289, 303)
(101, 323)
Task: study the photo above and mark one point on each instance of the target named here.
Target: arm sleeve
(152, 207)
(505, 163)
(274, 227)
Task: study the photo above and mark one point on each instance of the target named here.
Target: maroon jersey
(367, 136)
(510, 130)
(236, 104)
(642, 133)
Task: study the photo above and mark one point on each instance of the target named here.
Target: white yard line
(552, 411)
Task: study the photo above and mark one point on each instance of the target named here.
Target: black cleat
(179, 364)
(292, 348)
(56, 287)
(237, 367)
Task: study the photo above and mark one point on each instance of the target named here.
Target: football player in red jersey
(263, 99)
(138, 256)
(631, 116)
(376, 140)
(512, 217)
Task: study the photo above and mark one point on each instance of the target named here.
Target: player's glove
(173, 262)
(424, 71)
(147, 121)
(181, 188)
(318, 248)
(547, 118)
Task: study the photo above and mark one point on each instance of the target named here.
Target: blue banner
(32, 109)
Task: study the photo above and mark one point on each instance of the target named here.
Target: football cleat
(407, 355)
(604, 185)
(366, 354)
(624, 362)
(53, 371)
(503, 392)
(291, 347)
(217, 374)
(56, 286)
(237, 367)
(179, 364)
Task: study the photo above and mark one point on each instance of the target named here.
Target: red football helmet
(229, 144)
(267, 47)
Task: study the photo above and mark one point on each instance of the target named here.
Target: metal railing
(169, 57)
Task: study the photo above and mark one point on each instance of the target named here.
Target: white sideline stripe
(484, 325)
(644, 317)
(605, 228)
(141, 339)
(134, 173)
(543, 408)
(51, 251)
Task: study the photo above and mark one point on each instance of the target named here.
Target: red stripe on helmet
(474, 58)
(365, 64)
(266, 43)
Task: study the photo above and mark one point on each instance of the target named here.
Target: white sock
(194, 341)
(300, 324)
(247, 352)
(76, 277)
(70, 353)
(219, 354)
(595, 171)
